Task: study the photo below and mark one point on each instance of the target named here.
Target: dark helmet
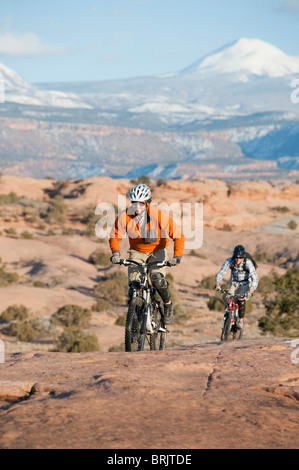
(239, 251)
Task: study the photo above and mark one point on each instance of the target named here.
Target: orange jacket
(155, 236)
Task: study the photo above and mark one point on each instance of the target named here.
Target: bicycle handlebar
(225, 291)
(160, 264)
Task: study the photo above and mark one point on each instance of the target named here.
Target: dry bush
(7, 278)
(56, 212)
(20, 323)
(27, 235)
(292, 225)
(117, 348)
(282, 311)
(113, 287)
(100, 306)
(15, 312)
(181, 315)
(72, 316)
(24, 330)
(216, 304)
(121, 320)
(100, 258)
(208, 282)
(76, 340)
(11, 198)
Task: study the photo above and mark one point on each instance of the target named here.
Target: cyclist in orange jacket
(149, 230)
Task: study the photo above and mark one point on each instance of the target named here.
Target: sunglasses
(137, 203)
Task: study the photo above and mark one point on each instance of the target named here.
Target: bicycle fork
(146, 320)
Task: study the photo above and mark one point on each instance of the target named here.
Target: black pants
(242, 290)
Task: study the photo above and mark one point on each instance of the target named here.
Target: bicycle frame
(148, 294)
(234, 307)
(231, 314)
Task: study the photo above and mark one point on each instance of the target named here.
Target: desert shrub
(143, 179)
(117, 348)
(282, 209)
(282, 307)
(181, 315)
(100, 258)
(7, 278)
(160, 182)
(208, 282)
(68, 231)
(121, 320)
(216, 304)
(11, 198)
(169, 277)
(264, 257)
(15, 312)
(292, 225)
(72, 316)
(55, 281)
(27, 235)
(90, 220)
(266, 284)
(227, 228)
(57, 210)
(76, 340)
(11, 231)
(100, 306)
(23, 330)
(113, 287)
(40, 284)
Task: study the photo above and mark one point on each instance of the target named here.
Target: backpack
(248, 256)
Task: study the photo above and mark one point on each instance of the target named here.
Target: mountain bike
(145, 327)
(230, 323)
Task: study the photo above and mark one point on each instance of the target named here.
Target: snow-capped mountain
(221, 84)
(230, 106)
(247, 57)
(18, 90)
(11, 79)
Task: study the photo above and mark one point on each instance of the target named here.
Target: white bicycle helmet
(141, 193)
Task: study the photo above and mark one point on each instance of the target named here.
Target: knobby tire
(227, 326)
(134, 340)
(158, 338)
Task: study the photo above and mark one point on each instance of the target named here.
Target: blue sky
(72, 40)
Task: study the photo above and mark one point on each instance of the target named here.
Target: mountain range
(228, 114)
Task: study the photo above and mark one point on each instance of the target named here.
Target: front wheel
(226, 326)
(134, 339)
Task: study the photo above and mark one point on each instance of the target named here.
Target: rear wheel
(158, 338)
(134, 340)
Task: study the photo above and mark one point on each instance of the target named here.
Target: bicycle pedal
(164, 330)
